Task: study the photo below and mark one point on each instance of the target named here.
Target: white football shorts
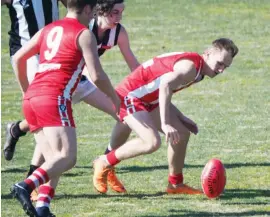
(84, 88)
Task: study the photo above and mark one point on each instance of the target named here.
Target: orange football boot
(100, 175)
(182, 189)
(114, 182)
(34, 195)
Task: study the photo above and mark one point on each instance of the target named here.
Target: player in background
(64, 47)
(109, 33)
(147, 109)
(27, 17)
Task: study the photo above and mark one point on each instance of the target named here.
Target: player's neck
(205, 67)
(76, 16)
(71, 14)
(102, 26)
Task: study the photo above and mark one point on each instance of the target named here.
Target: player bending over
(147, 109)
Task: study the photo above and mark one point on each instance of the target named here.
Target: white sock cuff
(109, 147)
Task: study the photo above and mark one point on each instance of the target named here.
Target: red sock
(38, 177)
(45, 195)
(111, 158)
(176, 179)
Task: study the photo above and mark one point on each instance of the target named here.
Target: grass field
(232, 112)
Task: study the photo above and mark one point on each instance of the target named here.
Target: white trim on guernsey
(112, 37)
(73, 80)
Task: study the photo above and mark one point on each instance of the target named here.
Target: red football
(213, 178)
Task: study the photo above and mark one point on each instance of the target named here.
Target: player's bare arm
(123, 43)
(88, 45)
(184, 72)
(20, 60)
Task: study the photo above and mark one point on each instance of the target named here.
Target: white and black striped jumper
(27, 17)
(109, 39)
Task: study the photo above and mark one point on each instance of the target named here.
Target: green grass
(232, 112)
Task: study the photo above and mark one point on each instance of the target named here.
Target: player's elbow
(98, 78)
(18, 59)
(165, 90)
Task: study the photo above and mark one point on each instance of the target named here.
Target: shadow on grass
(126, 169)
(225, 198)
(96, 196)
(14, 170)
(188, 213)
(23, 171)
(72, 174)
(244, 193)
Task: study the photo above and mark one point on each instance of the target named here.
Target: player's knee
(70, 160)
(184, 134)
(153, 144)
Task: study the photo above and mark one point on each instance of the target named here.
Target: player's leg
(90, 94)
(58, 145)
(148, 142)
(176, 154)
(18, 129)
(46, 191)
(64, 152)
(86, 91)
(119, 136)
(36, 162)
